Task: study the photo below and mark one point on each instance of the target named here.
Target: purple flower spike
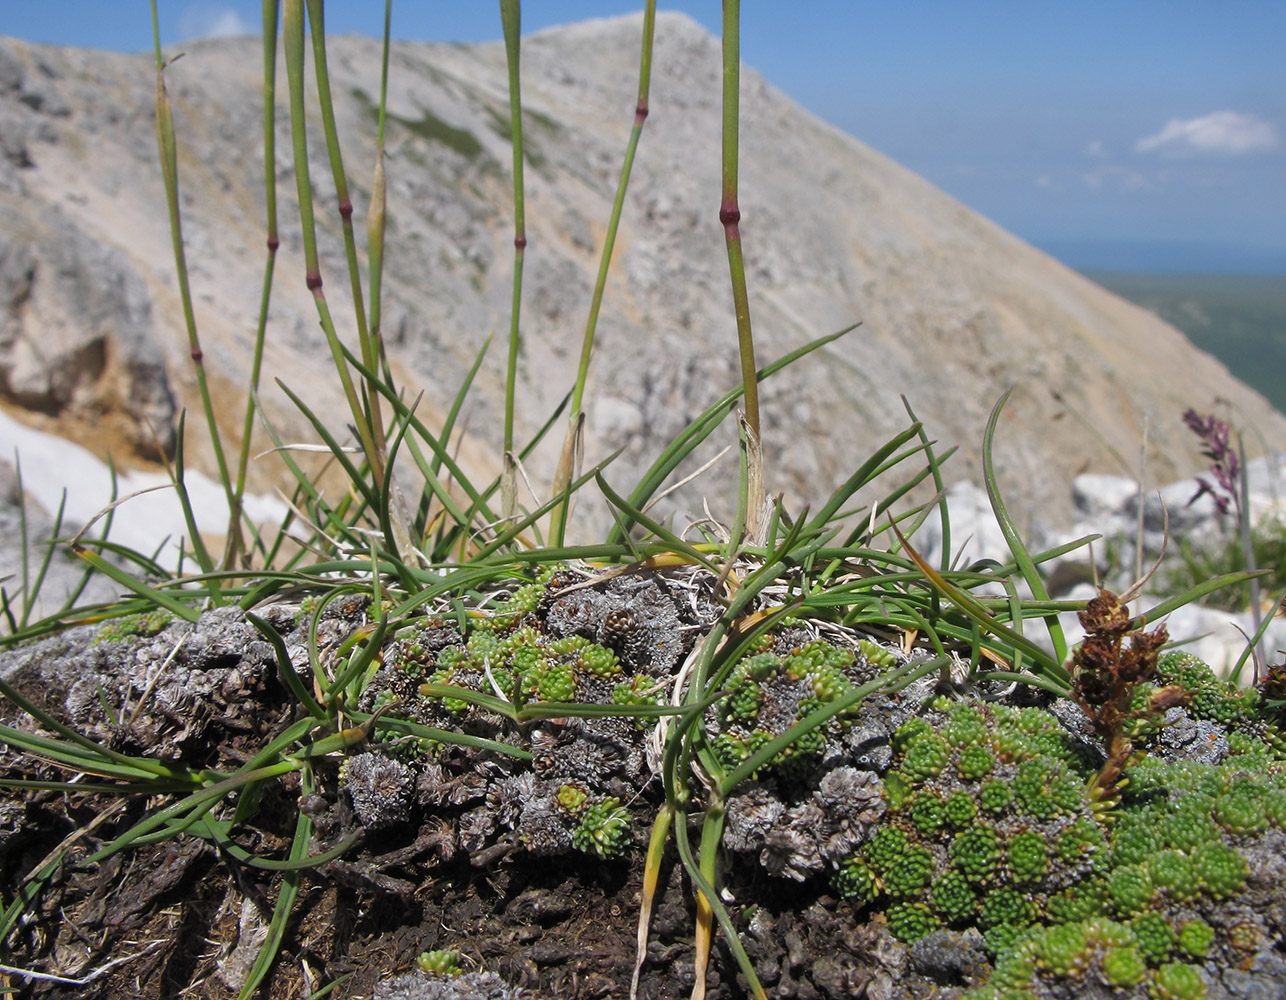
(1224, 464)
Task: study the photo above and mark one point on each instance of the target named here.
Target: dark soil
(182, 918)
(561, 927)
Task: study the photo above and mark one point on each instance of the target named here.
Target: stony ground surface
(468, 851)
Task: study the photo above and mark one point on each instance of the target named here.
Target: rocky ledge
(941, 840)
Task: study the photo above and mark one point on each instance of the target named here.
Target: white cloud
(1227, 132)
(1096, 149)
(212, 20)
(1110, 175)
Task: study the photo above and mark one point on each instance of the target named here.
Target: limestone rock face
(76, 335)
(953, 309)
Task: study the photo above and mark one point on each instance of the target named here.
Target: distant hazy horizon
(1148, 136)
(1162, 257)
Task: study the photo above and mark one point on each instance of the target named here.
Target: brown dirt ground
(168, 914)
(561, 927)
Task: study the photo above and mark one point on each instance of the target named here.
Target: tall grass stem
(511, 20)
(168, 152)
(730, 218)
(567, 464)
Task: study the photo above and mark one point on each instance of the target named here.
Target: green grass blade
(693, 867)
(358, 480)
(178, 478)
(191, 808)
(730, 213)
(168, 154)
(864, 474)
(489, 702)
(1192, 595)
(393, 724)
(1012, 538)
(157, 597)
(284, 667)
(219, 833)
(574, 427)
(286, 896)
(636, 516)
(968, 604)
(453, 414)
(269, 11)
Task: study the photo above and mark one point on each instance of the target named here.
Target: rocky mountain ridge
(953, 309)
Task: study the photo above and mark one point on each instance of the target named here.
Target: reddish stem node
(273, 243)
(729, 215)
(198, 356)
(345, 209)
(640, 113)
(313, 280)
(520, 242)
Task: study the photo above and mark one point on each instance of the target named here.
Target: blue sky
(1139, 134)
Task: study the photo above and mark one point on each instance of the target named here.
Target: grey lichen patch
(382, 789)
(811, 837)
(621, 639)
(435, 986)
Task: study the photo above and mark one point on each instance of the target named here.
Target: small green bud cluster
(745, 689)
(604, 829)
(638, 690)
(572, 798)
(876, 655)
(1125, 956)
(1241, 809)
(1156, 937)
(954, 898)
(925, 758)
(1196, 938)
(1028, 858)
(441, 962)
(522, 601)
(598, 660)
(524, 663)
(1077, 902)
(856, 880)
(911, 921)
(975, 762)
(976, 854)
(730, 749)
(767, 693)
(1178, 981)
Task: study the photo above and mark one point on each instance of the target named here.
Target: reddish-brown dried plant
(1115, 657)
